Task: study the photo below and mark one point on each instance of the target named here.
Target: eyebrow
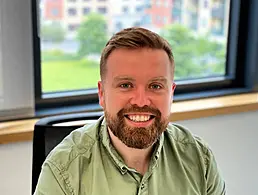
(159, 79)
(123, 78)
(118, 79)
(127, 78)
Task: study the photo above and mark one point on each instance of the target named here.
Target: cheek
(115, 102)
(165, 107)
(166, 111)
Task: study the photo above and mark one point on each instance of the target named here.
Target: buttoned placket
(142, 181)
(143, 186)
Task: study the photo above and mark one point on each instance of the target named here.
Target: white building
(127, 13)
(203, 16)
(76, 10)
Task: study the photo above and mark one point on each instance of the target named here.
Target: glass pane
(73, 33)
(1, 66)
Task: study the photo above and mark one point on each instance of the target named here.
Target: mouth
(139, 119)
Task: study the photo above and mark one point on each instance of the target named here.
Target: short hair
(134, 38)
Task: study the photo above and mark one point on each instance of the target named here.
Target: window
(86, 10)
(72, 27)
(119, 26)
(72, 12)
(146, 20)
(55, 12)
(158, 19)
(158, 3)
(193, 21)
(137, 24)
(138, 8)
(102, 10)
(217, 27)
(177, 4)
(208, 63)
(125, 9)
(165, 20)
(206, 3)
(166, 3)
(204, 22)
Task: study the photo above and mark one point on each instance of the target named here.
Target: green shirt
(86, 163)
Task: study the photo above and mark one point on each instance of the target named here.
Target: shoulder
(196, 157)
(183, 135)
(78, 143)
(63, 166)
(189, 143)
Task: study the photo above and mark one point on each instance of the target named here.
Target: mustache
(135, 108)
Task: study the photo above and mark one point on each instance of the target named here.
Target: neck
(134, 158)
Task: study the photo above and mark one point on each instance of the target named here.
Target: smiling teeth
(139, 118)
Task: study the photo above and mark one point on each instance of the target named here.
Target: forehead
(143, 63)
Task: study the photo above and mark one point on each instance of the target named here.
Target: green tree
(195, 55)
(53, 32)
(92, 35)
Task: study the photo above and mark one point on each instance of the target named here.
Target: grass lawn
(69, 75)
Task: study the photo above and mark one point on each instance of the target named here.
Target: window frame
(240, 59)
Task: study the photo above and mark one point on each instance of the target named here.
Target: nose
(140, 97)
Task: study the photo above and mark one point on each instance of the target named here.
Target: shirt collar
(118, 160)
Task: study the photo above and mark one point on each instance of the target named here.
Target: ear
(172, 91)
(101, 94)
(173, 87)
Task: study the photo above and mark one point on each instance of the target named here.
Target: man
(133, 149)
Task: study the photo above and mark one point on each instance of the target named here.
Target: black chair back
(48, 132)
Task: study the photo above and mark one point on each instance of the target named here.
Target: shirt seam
(61, 167)
(65, 179)
(76, 156)
(204, 154)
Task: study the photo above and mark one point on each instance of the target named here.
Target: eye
(156, 86)
(126, 85)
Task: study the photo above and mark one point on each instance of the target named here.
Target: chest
(109, 180)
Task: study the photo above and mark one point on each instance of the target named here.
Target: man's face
(136, 95)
